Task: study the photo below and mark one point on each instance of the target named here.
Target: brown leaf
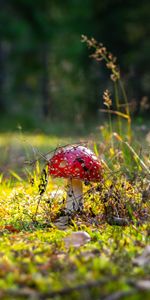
(11, 228)
(144, 258)
(77, 239)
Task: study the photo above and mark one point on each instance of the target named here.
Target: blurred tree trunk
(2, 77)
(46, 93)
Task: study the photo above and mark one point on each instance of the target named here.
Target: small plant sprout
(77, 164)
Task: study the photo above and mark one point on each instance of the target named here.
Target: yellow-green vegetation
(35, 262)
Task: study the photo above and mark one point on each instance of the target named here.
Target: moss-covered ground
(35, 260)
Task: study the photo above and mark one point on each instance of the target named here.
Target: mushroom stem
(74, 200)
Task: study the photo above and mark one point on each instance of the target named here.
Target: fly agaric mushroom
(77, 164)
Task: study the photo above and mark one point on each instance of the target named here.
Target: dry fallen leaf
(144, 258)
(11, 228)
(77, 239)
(143, 285)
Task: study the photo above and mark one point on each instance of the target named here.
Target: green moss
(33, 257)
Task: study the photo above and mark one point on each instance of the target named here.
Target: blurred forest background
(46, 74)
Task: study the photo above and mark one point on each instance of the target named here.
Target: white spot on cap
(77, 169)
(63, 164)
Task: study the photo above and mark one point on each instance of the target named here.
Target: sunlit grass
(31, 140)
(34, 260)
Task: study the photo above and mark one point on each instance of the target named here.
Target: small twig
(137, 157)
(44, 156)
(37, 207)
(42, 187)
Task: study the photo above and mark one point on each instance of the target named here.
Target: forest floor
(102, 252)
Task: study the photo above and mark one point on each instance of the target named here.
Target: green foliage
(36, 262)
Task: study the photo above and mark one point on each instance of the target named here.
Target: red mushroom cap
(75, 162)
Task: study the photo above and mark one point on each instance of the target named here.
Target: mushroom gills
(74, 200)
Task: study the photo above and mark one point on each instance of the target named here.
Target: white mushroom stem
(74, 200)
